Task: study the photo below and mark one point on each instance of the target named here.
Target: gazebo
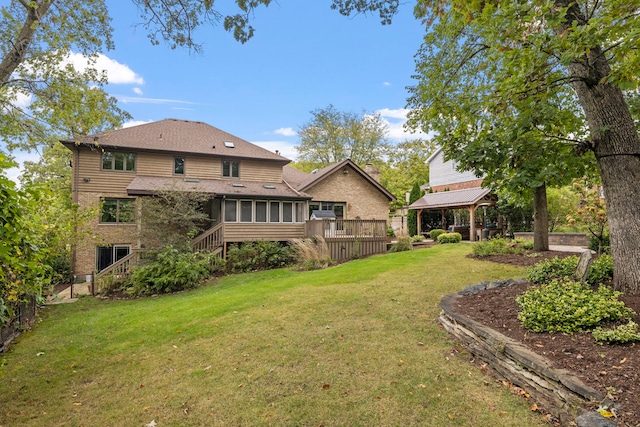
(468, 198)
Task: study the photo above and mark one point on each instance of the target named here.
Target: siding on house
(244, 232)
(444, 174)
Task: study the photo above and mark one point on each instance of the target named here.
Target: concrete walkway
(64, 296)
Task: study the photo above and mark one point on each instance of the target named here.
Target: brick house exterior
(352, 192)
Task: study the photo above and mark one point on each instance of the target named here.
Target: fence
(350, 238)
(25, 316)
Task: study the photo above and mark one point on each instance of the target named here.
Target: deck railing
(210, 240)
(350, 238)
(119, 270)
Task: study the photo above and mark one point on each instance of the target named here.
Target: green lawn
(355, 345)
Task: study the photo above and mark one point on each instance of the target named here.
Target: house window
(274, 212)
(287, 212)
(230, 210)
(261, 211)
(300, 216)
(178, 165)
(230, 169)
(118, 161)
(246, 211)
(117, 211)
(107, 255)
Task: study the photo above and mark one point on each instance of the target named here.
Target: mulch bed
(613, 370)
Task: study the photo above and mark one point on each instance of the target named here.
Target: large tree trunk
(540, 219)
(616, 145)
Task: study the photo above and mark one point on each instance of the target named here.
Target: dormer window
(178, 165)
(230, 169)
(118, 161)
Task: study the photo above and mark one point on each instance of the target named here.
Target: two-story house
(111, 170)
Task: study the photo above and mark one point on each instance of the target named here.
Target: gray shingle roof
(180, 136)
(304, 181)
(451, 199)
(144, 185)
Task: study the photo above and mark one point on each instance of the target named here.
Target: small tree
(591, 212)
(412, 216)
(172, 218)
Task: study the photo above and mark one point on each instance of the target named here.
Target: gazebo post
(419, 230)
(472, 223)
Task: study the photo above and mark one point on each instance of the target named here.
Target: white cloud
(142, 100)
(137, 91)
(285, 132)
(135, 123)
(395, 119)
(286, 149)
(117, 73)
(386, 84)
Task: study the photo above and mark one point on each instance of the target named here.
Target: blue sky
(304, 56)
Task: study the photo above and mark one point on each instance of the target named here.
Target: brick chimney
(372, 171)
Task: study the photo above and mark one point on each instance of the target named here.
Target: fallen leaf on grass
(151, 424)
(326, 385)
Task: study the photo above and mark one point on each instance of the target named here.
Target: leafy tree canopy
(332, 136)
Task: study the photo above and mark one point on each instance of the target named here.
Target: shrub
(259, 255)
(601, 270)
(449, 238)
(498, 246)
(311, 253)
(553, 268)
(403, 244)
(170, 270)
(417, 238)
(565, 306)
(433, 234)
(619, 335)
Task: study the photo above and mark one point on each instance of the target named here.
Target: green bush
(565, 306)
(553, 268)
(449, 238)
(170, 270)
(433, 234)
(260, 255)
(619, 335)
(403, 244)
(498, 245)
(601, 270)
(417, 238)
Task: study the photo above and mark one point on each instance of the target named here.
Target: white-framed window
(108, 254)
(178, 165)
(230, 210)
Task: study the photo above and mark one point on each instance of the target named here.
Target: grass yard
(353, 345)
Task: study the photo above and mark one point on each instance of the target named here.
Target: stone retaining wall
(561, 392)
(561, 239)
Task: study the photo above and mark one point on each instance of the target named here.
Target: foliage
(552, 269)
(602, 244)
(390, 232)
(591, 212)
(565, 306)
(311, 253)
(621, 334)
(412, 216)
(545, 271)
(417, 238)
(449, 238)
(406, 165)
(23, 273)
(403, 244)
(332, 136)
(433, 234)
(499, 245)
(172, 218)
(171, 270)
(561, 203)
(601, 270)
(260, 255)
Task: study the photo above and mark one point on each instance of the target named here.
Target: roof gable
(179, 136)
(306, 182)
